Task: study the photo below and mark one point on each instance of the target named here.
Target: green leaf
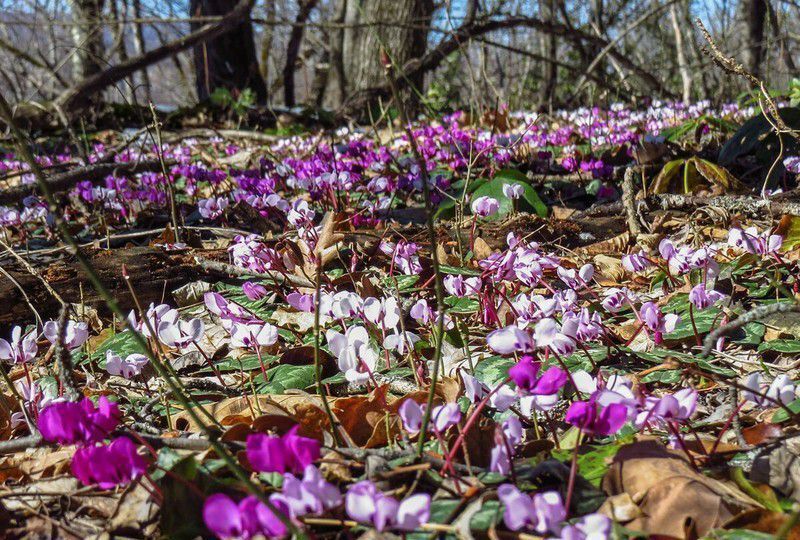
(122, 343)
(286, 377)
(456, 271)
(493, 370)
(594, 463)
(462, 305)
(782, 416)
(781, 346)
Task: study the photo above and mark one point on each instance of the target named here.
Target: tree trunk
(548, 44)
(683, 66)
(397, 27)
(228, 61)
(293, 50)
(138, 43)
(755, 12)
(87, 35)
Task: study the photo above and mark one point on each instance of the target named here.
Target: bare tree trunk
(683, 66)
(293, 50)
(549, 44)
(138, 44)
(786, 54)
(266, 41)
(398, 27)
(87, 35)
(755, 17)
(228, 61)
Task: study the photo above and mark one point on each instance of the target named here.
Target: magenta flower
(21, 349)
(594, 419)
(248, 519)
(702, 298)
(289, 452)
(108, 465)
(365, 503)
(68, 422)
(525, 375)
(254, 291)
(301, 302)
(485, 206)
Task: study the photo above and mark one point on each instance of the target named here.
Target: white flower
(355, 355)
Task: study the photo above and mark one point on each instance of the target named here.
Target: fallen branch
(279, 279)
(746, 205)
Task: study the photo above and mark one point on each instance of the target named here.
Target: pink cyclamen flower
(510, 339)
(543, 512)
(573, 278)
(178, 333)
(442, 416)
(616, 299)
(212, 208)
(560, 338)
(21, 349)
(254, 291)
(485, 206)
(128, 367)
(108, 465)
(656, 321)
(355, 355)
(365, 503)
(301, 302)
(458, 286)
(635, 262)
(702, 298)
(593, 419)
(589, 527)
(513, 191)
(68, 422)
(507, 436)
(75, 333)
(676, 407)
(781, 390)
(751, 241)
(310, 494)
(249, 518)
(289, 452)
(525, 375)
(246, 336)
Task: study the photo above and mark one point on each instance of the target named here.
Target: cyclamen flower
(656, 321)
(750, 241)
(568, 276)
(247, 519)
(513, 191)
(458, 286)
(510, 339)
(212, 208)
(635, 262)
(525, 375)
(702, 298)
(75, 333)
(384, 312)
(355, 355)
(543, 512)
(507, 436)
(781, 390)
(442, 416)
(21, 349)
(485, 206)
(109, 465)
(616, 299)
(178, 333)
(254, 291)
(593, 419)
(301, 302)
(675, 407)
(309, 495)
(559, 338)
(130, 367)
(365, 503)
(68, 422)
(246, 336)
(289, 452)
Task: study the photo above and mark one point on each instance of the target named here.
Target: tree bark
(547, 90)
(397, 27)
(139, 47)
(228, 60)
(293, 50)
(87, 35)
(683, 66)
(755, 17)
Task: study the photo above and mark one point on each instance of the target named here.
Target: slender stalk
(317, 366)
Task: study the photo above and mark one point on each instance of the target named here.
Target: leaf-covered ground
(259, 337)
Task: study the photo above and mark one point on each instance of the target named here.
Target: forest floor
(580, 325)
